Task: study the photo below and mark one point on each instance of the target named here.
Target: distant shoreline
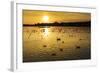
(65, 24)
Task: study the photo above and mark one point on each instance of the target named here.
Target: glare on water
(46, 32)
(56, 43)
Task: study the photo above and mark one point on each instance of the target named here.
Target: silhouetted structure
(88, 23)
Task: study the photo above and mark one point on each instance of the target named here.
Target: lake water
(56, 43)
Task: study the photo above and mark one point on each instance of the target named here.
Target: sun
(45, 19)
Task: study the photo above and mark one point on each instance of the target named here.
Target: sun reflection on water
(46, 32)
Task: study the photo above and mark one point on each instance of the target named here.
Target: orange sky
(33, 17)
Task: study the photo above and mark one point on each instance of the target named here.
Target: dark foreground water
(56, 43)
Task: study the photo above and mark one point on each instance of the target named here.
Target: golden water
(56, 43)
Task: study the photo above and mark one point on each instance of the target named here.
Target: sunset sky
(33, 17)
